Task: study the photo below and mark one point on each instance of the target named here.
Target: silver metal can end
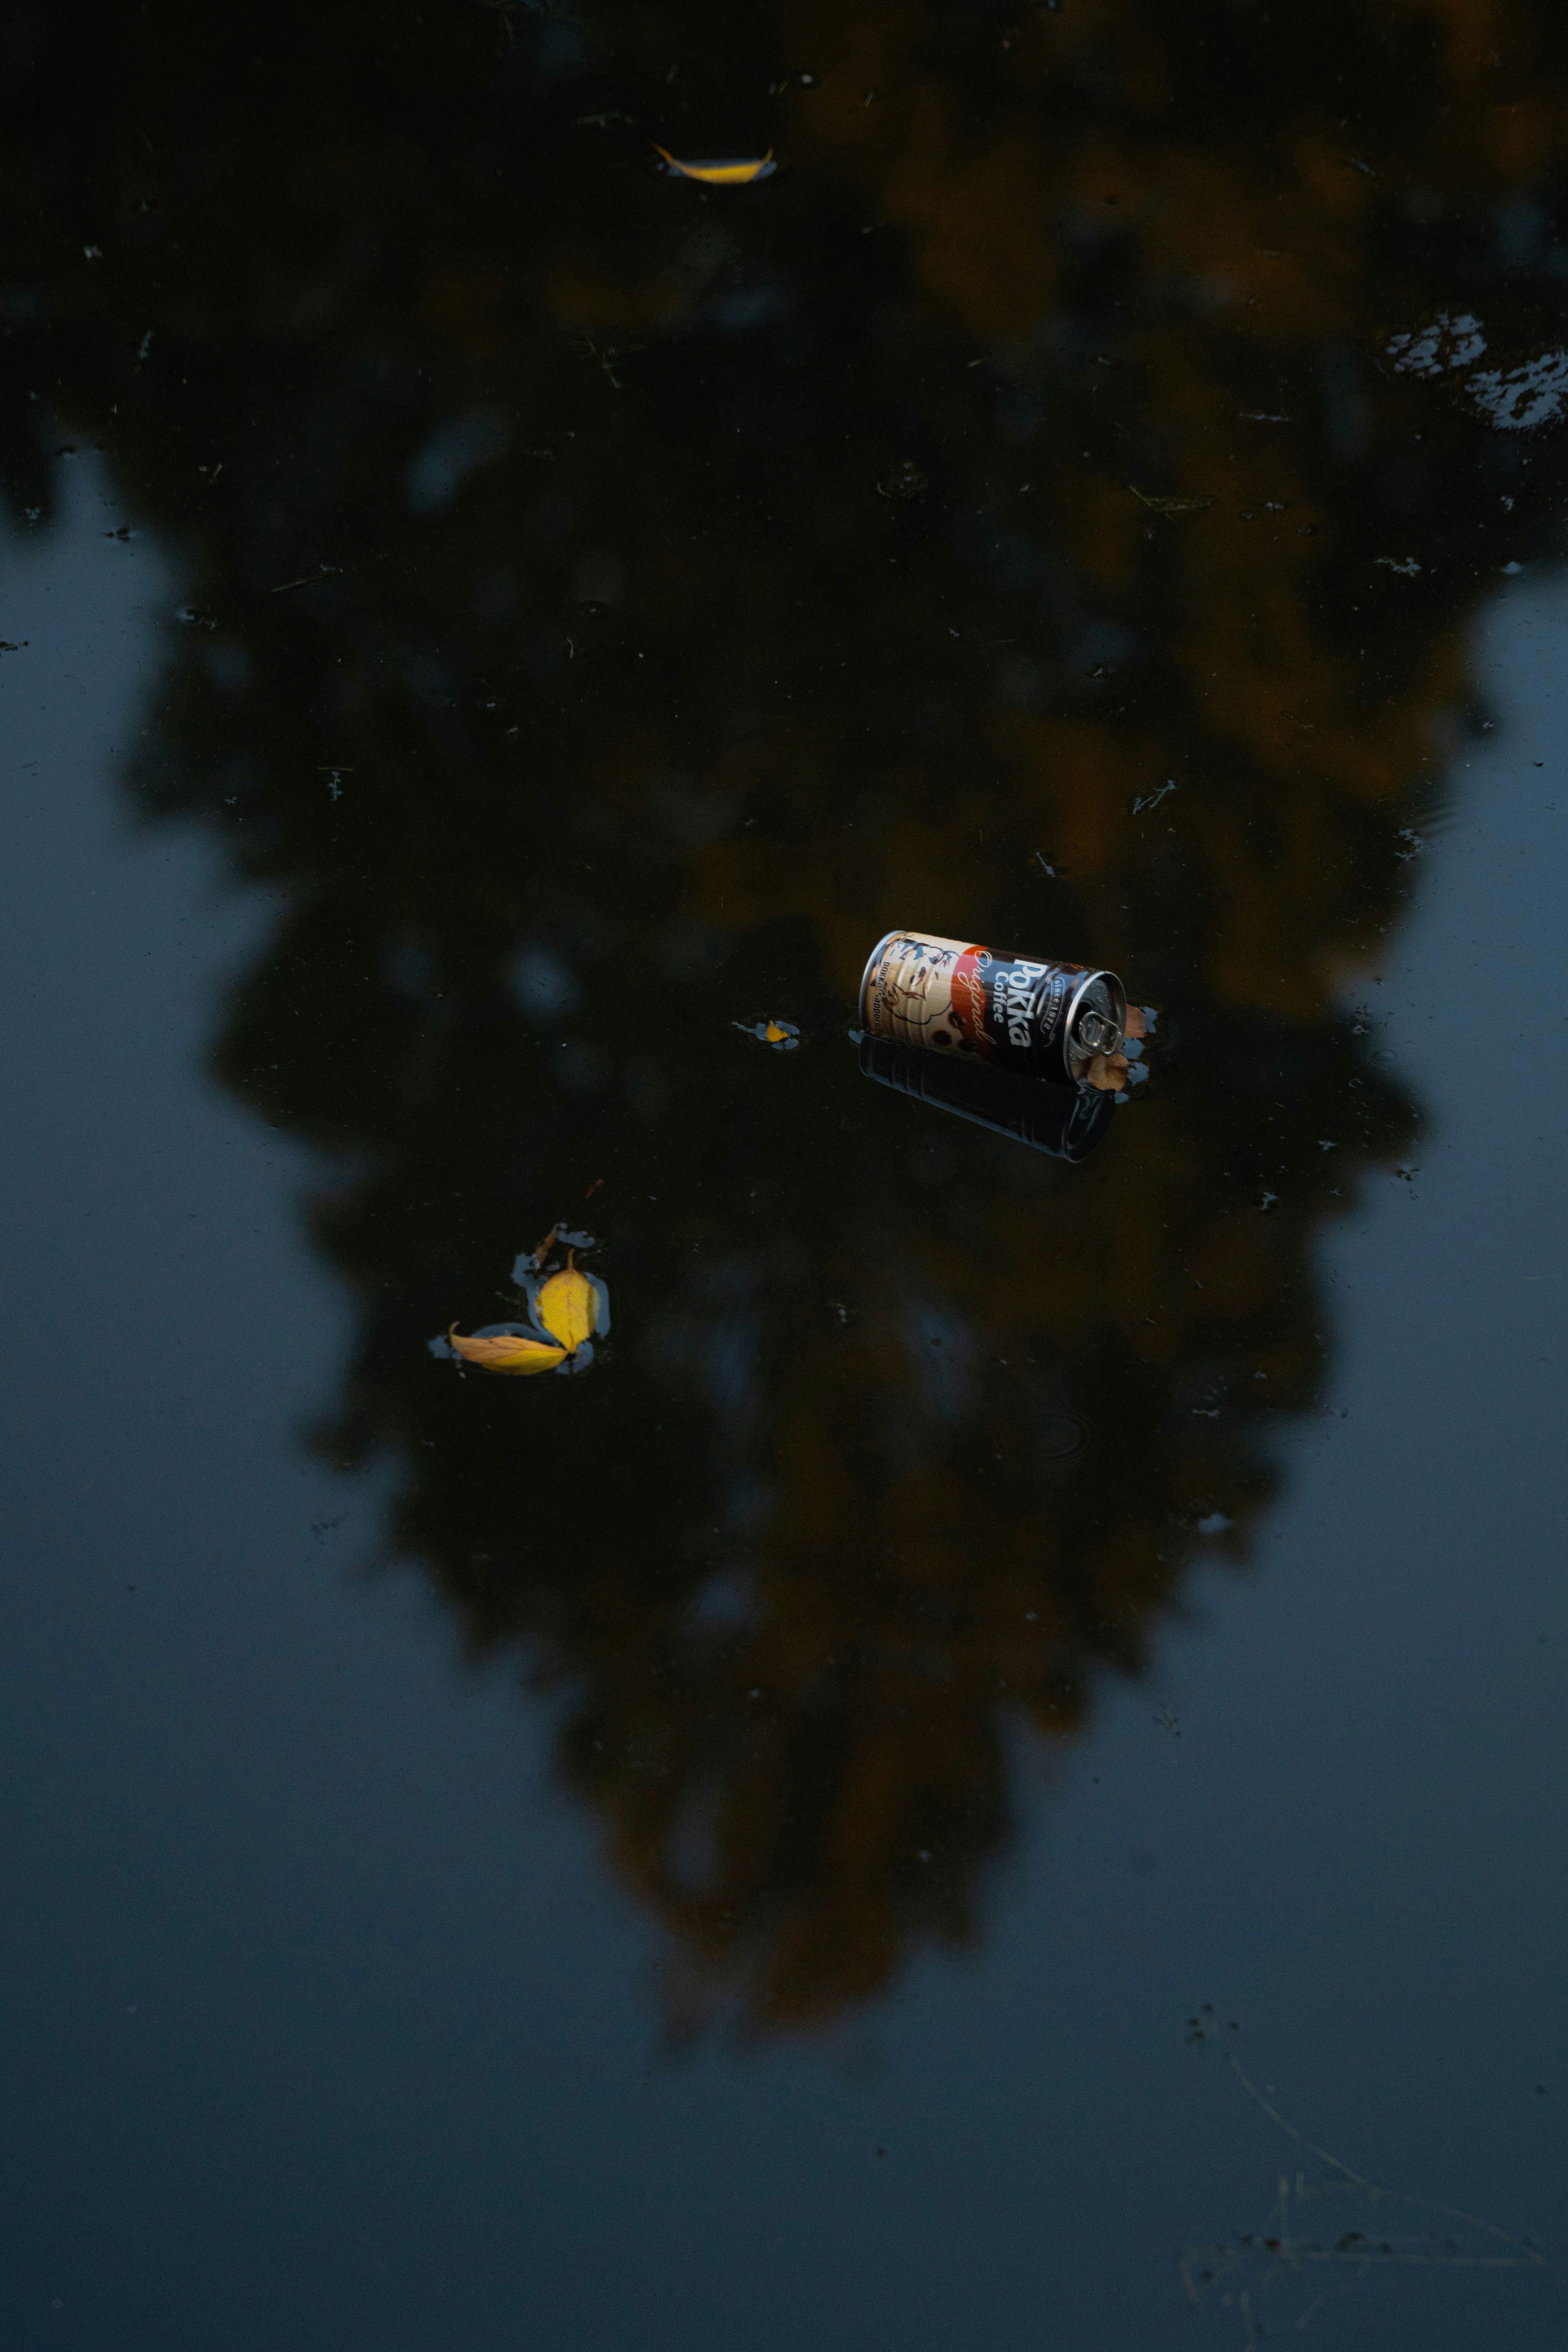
(1096, 1020)
(872, 961)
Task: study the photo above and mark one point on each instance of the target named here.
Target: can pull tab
(1096, 1034)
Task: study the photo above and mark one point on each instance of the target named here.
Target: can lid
(1096, 1022)
(872, 961)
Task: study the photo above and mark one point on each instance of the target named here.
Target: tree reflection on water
(618, 602)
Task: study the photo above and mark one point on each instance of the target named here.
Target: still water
(990, 1770)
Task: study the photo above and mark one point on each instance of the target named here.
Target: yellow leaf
(509, 1351)
(566, 1306)
(722, 175)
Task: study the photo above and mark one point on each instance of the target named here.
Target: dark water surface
(996, 1758)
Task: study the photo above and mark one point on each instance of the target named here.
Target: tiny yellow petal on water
(774, 1035)
(566, 1305)
(509, 1351)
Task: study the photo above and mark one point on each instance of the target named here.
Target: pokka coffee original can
(1038, 1019)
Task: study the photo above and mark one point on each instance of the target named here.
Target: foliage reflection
(616, 600)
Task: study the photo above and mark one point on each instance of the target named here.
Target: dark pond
(990, 1773)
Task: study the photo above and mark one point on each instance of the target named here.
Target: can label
(1042, 1019)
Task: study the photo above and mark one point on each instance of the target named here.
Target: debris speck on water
(1060, 1435)
(1519, 399)
(905, 481)
(307, 579)
(7, 647)
(782, 1035)
(607, 357)
(1304, 2238)
(1152, 800)
(1441, 343)
(1170, 507)
(721, 171)
(1205, 2026)
(1406, 566)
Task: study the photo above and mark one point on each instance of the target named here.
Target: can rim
(873, 958)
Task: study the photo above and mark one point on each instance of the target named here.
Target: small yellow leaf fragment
(782, 1035)
(567, 1305)
(509, 1351)
(725, 174)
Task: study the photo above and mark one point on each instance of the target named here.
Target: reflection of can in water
(1039, 1019)
(1066, 1121)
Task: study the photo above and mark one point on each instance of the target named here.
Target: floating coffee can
(1036, 1019)
(1066, 1121)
